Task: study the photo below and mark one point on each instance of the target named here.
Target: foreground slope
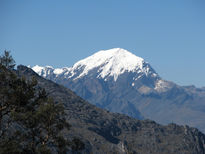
(121, 82)
(105, 132)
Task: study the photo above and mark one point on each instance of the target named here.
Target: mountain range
(104, 132)
(121, 82)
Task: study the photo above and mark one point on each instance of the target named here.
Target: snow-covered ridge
(113, 62)
(49, 70)
(42, 71)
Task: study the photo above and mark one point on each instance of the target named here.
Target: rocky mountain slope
(105, 132)
(121, 82)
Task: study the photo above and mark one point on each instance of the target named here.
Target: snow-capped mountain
(108, 64)
(113, 62)
(120, 81)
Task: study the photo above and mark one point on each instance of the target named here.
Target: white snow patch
(111, 62)
(58, 71)
(43, 71)
(162, 85)
(38, 69)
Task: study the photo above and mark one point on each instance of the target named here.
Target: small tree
(7, 60)
(31, 121)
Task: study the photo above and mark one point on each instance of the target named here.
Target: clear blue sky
(169, 34)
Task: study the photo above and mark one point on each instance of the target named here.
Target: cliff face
(105, 132)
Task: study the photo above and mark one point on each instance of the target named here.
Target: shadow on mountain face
(105, 132)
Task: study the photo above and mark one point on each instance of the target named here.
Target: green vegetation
(7, 60)
(30, 120)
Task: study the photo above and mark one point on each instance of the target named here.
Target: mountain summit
(113, 62)
(119, 81)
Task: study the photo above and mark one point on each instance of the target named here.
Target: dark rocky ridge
(105, 132)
